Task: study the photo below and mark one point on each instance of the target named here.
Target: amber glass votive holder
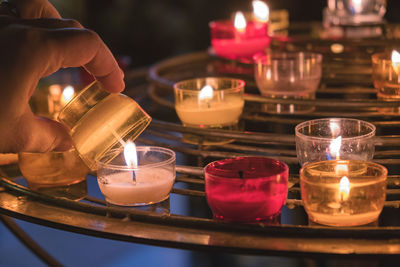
(288, 75)
(386, 79)
(60, 174)
(334, 138)
(100, 122)
(343, 192)
(246, 189)
(220, 108)
(147, 183)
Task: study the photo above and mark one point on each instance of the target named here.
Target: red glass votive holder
(230, 43)
(246, 189)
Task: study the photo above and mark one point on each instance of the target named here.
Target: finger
(81, 47)
(35, 9)
(51, 23)
(38, 134)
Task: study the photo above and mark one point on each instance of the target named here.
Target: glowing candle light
(344, 188)
(334, 147)
(67, 94)
(260, 11)
(240, 22)
(357, 5)
(396, 60)
(130, 154)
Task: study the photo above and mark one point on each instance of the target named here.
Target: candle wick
(240, 174)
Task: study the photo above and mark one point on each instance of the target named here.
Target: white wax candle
(151, 186)
(211, 112)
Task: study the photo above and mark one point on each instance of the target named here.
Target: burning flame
(344, 188)
(396, 60)
(206, 92)
(130, 154)
(68, 93)
(334, 147)
(260, 11)
(357, 5)
(240, 22)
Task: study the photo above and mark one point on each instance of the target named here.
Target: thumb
(39, 134)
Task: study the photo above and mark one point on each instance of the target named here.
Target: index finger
(81, 47)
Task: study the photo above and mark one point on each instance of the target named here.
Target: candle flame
(357, 5)
(206, 92)
(130, 154)
(260, 11)
(344, 186)
(240, 22)
(68, 93)
(334, 147)
(396, 60)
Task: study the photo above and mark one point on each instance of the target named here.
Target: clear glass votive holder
(246, 189)
(59, 174)
(220, 108)
(229, 43)
(288, 75)
(334, 138)
(101, 122)
(386, 79)
(149, 182)
(354, 12)
(343, 192)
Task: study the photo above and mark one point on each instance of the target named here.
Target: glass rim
(259, 58)
(285, 168)
(301, 125)
(240, 84)
(377, 166)
(167, 151)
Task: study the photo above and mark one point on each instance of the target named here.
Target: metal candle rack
(344, 92)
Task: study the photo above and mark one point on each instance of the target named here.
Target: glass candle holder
(334, 138)
(386, 77)
(228, 42)
(246, 189)
(209, 102)
(61, 174)
(288, 75)
(149, 182)
(101, 122)
(343, 192)
(354, 12)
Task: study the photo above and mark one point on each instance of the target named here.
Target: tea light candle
(241, 39)
(246, 189)
(142, 176)
(386, 75)
(334, 138)
(209, 102)
(353, 196)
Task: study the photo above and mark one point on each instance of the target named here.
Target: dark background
(150, 30)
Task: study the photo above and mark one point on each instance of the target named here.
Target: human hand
(33, 46)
